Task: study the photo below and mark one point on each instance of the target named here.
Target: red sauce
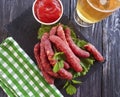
(47, 10)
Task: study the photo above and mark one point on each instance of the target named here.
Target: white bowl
(44, 22)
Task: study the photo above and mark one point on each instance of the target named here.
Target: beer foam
(103, 2)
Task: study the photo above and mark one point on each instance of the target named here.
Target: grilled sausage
(44, 60)
(50, 53)
(61, 33)
(53, 30)
(91, 48)
(70, 57)
(47, 77)
(77, 51)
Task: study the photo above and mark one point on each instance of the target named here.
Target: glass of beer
(88, 12)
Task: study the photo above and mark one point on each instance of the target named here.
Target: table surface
(104, 35)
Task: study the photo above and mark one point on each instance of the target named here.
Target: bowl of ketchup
(47, 12)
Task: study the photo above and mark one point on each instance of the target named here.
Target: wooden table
(105, 35)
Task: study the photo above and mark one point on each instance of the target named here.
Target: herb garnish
(85, 62)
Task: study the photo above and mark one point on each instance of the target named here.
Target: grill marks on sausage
(70, 57)
(78, 51)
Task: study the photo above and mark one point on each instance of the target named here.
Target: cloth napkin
(19, 75)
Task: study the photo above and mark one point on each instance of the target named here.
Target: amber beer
(92, 11)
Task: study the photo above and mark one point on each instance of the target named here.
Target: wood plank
(9, 10)
(72, 8)
(104, 35)
(66, 7)
(92, 87)
(2, 93)
(13, 8)
(111, 48)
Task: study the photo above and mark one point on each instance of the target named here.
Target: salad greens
(59, 56)
(70, 88)
(43, 29)
(86, 63)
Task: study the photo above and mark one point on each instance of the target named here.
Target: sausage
(44, 60)
(61, 33)
(53, 30)
(70, 57)
(37, 57)
(65, 74)
(48, 48)
(91, 48)
(47, 77)
(77, 51)
(50, 53)
(66, 65)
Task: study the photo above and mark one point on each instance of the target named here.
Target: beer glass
(88, 12)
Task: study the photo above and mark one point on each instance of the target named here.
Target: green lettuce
(43, 29)
(59, 57)
(86, 63)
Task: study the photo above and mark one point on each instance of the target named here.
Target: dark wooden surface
(105, 35)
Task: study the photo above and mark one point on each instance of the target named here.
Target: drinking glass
(88, 12)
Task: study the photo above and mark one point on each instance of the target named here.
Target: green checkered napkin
(19, 75)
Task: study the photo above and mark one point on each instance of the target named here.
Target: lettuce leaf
(58, 66)
(70, 89)
(86, 63)
(43, 29)
(59, 57)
